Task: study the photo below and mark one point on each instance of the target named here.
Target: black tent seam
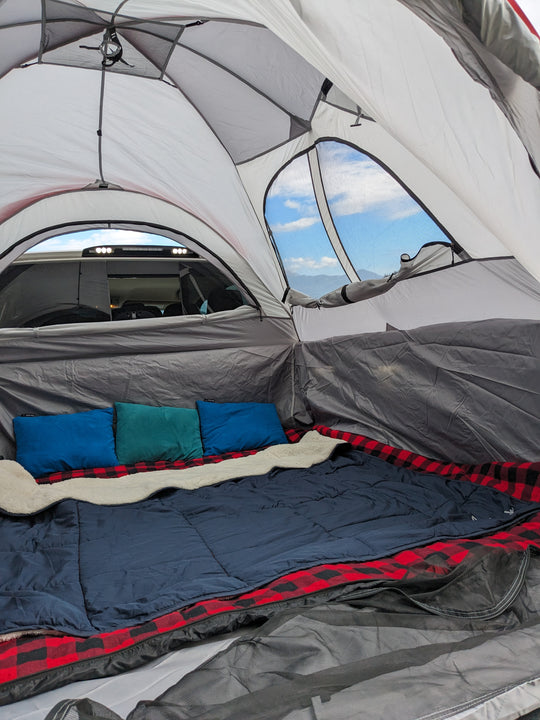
(269, 149)
(432, 243)
(43, 39)
(100, 123)
(174, 43)
(325, 88)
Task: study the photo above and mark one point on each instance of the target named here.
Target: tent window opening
(338, 216)
(309, 260)
(109, 283)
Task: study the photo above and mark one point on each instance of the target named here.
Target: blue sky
(90, 238)
(375, 217)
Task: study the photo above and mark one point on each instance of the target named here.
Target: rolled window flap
(295, 297)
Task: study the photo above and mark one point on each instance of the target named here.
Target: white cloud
(56, 244)
(300, 224)
(353, 184)
(125, 237)
(294, 181)
(302, 264)
(293, 204)
(79, 241)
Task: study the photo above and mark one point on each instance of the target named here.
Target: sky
(375, 217)
(531, 8)
(91, 238)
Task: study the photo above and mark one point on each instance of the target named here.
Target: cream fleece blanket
(21, 495)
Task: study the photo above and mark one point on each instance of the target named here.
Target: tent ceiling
(252, 89)
(209, 94)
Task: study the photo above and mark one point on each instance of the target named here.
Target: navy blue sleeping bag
(81, 568)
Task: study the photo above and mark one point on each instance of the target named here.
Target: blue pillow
(48, 443)
(226, 427)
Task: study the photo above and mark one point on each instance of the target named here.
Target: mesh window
(310, 263)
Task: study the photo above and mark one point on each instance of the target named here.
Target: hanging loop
(110, 48)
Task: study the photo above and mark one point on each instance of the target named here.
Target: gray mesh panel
(275, 68)
(243, 119)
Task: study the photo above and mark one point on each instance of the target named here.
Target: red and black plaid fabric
(121, 470)
(519, 480)
(25, 661)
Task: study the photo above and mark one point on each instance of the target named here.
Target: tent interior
(343, 201)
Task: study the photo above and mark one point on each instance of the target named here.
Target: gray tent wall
(467, 392)
(231, 356)
(448, 388)
(461, 391)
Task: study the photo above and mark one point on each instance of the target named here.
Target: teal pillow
(145, 433)
(50, 443)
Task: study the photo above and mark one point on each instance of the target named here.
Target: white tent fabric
(370, 50)
(211, 189)
(456, 295)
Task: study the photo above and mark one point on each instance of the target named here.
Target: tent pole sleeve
(326, 216)
(43, 39)
(100, 124)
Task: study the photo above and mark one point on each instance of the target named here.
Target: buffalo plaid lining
(519, 480)
(121, 470)
(24, 662)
